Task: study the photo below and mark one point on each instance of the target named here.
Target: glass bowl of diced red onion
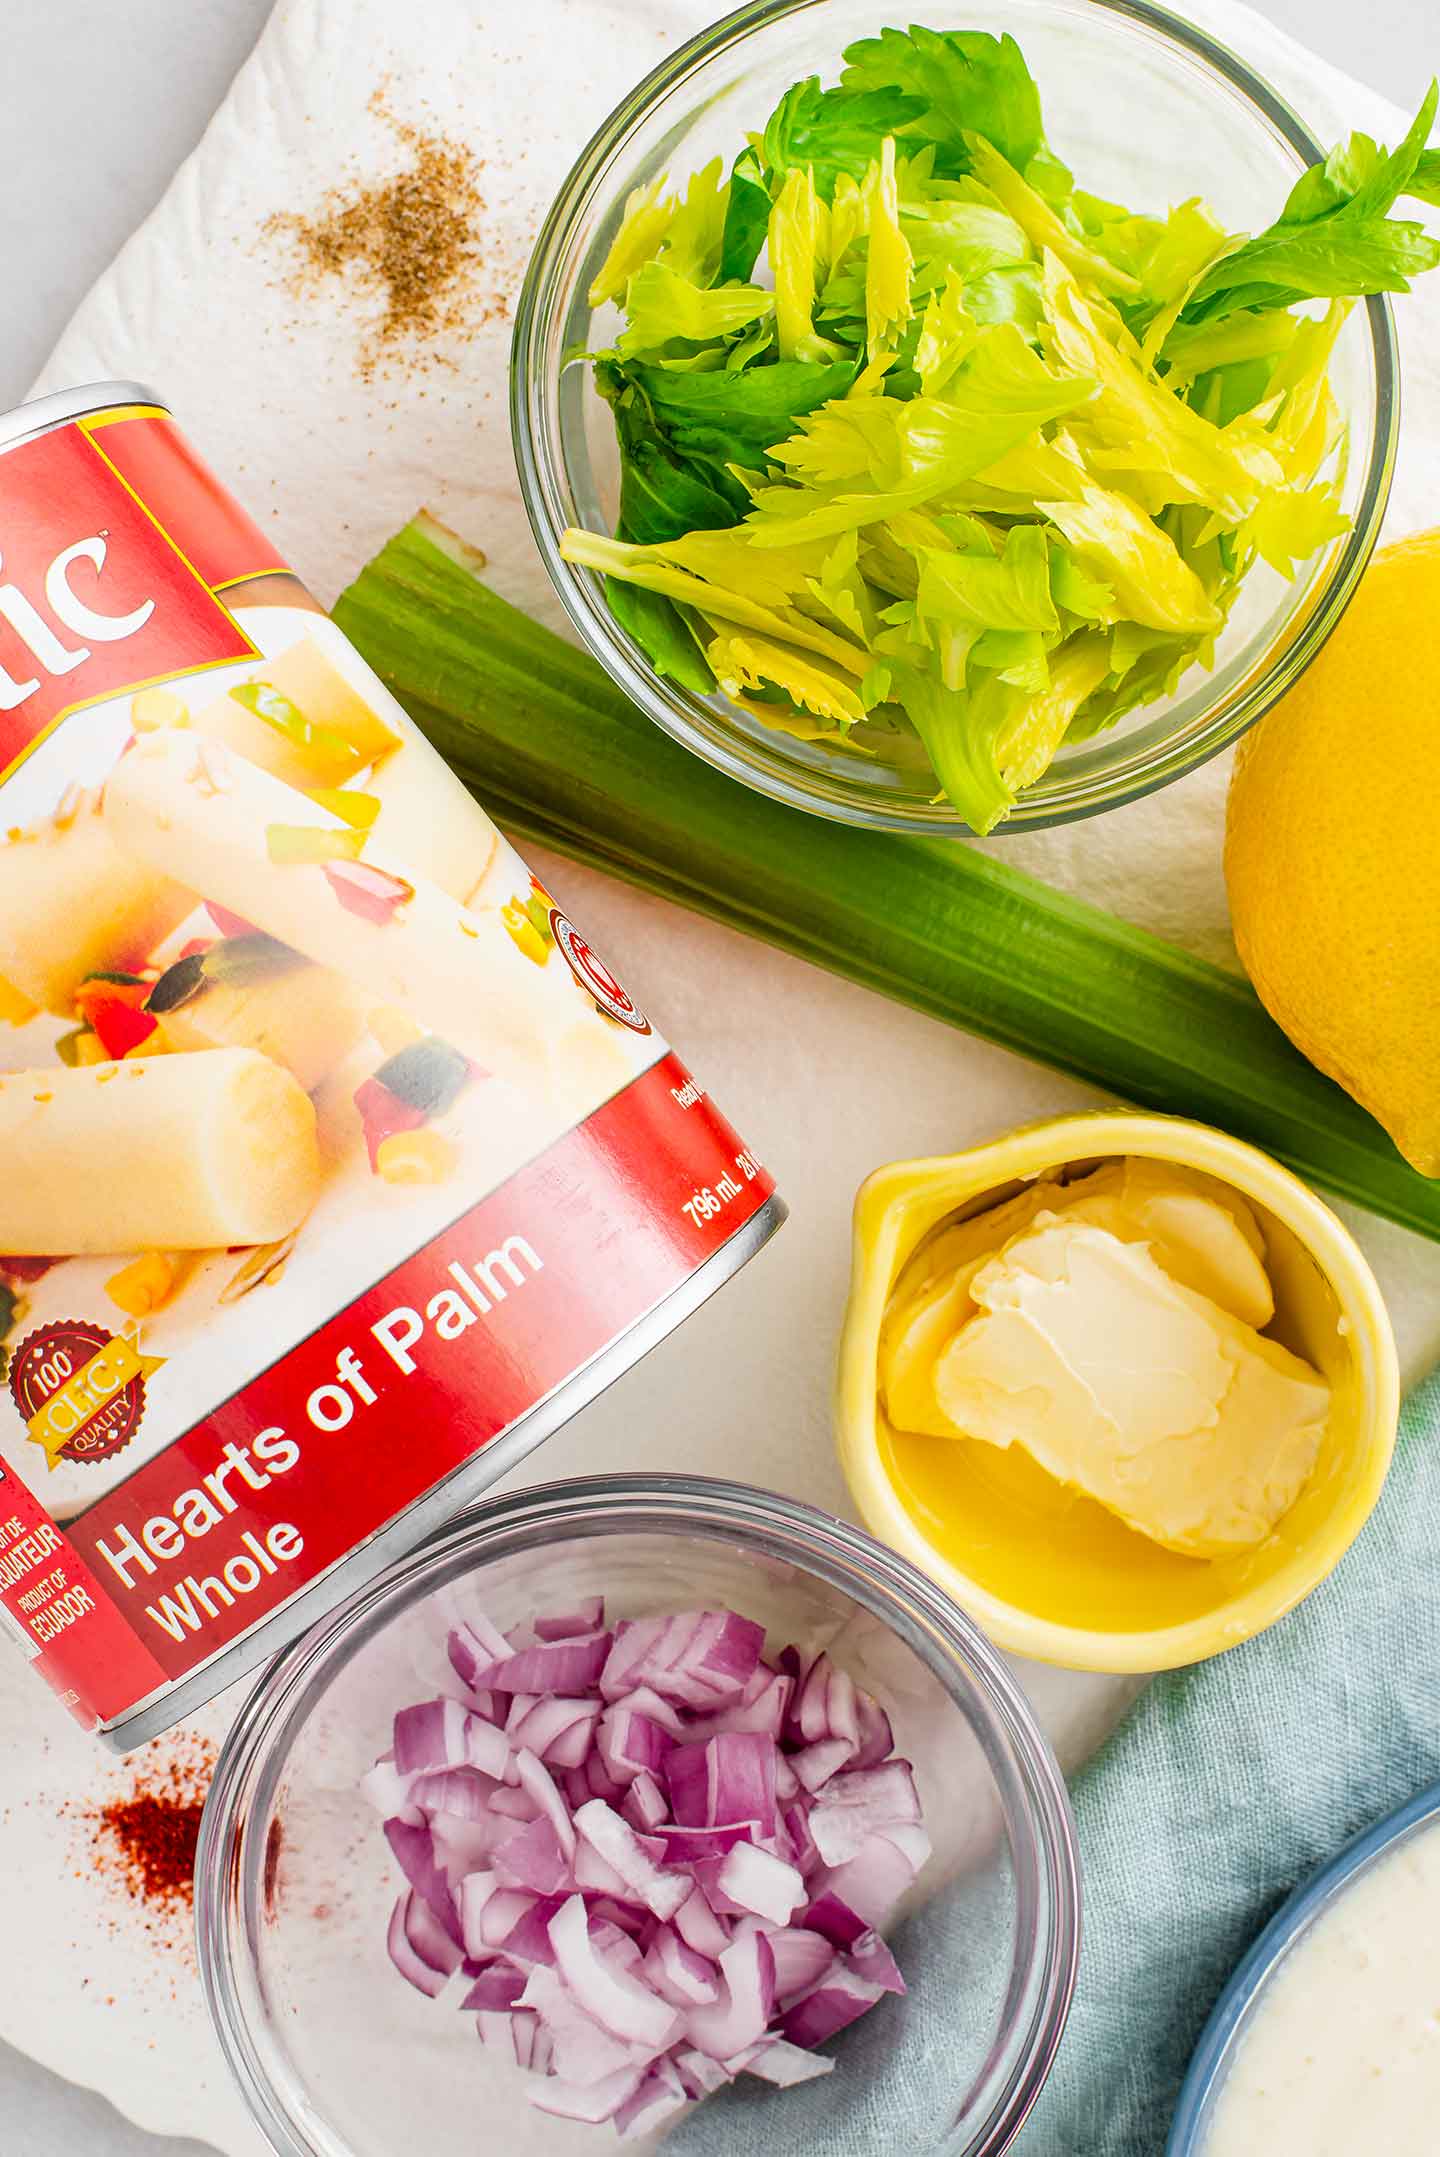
(664, 1809)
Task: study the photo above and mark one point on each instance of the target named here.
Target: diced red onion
(660, 2096)
(644, 1700)
(859, 1801)
(825, 1705)
(426, 1975)
(503, 1910)
(384, 1787)
(838, 1999)
(600, 1783)
(644, 1805)
(414, 1852)
(593, 2102)
(815, 1764)
(834, 1919)
(476, 1890)
(586, 1617)
(496, 1989)
(731, 1778)
(557, 1730)
(741, 2016)
(514, 1804)
(678, 1974)
(535, 1778)
(877, 1740)
(567, 1666)
(874, 1880)
(761, 1707)
(702, 1659)
(699, 2074)
(740, 1780)
(611, 1836)
(801, 1960)
(661, 1889)
(528, 1939)
(431, 1735)
(699, 1927)
(802, 1842)
(471, 1646)
(463, 1792)
(751, 1879)
(533, 1859)
(630, 1743)
(617, 1943)
(871, 1958)
(692, 1845)
(595, 1875)
(630, 1917)
(584, 2050)
(628, 2009)
(774, 2060)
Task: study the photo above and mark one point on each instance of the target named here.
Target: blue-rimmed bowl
(1244, 1996)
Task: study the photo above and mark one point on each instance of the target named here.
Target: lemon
(1332, 851)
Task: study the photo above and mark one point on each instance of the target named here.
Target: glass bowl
(338, 2057)
(1146, 109)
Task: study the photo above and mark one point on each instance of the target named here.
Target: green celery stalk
(556, 752)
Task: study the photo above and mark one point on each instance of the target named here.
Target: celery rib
(558, 754)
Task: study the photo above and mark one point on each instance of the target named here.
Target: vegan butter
(1111, 1327)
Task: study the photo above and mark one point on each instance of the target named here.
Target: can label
(329, 1146)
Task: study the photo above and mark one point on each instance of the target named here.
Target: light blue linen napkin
(1225, 1787)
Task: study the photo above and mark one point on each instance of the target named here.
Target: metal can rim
(40, 414)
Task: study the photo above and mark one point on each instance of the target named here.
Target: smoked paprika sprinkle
(146, 1836)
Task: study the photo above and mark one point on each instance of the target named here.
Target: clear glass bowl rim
(1053, 800)
(230, 1873)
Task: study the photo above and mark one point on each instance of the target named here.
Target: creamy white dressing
(1343, 2054)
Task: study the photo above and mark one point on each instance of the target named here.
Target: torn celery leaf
(1042, 226)
(661, 303)
(723, 419)
(979, 590)
(888, 260)
(1001, 394)
(1149, 577)
(1334, 239)
(652, 568)
(798, 246)
(747, 214)
(963, 81)
(661, 495)
(960, 742)
(661, 630)
(830, 133)
(643, 225)
(742, 662)
(1138, 416)
(695, 236)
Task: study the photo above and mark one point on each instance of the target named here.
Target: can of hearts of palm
(337, 1169)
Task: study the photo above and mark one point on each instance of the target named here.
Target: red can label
(331, 1146)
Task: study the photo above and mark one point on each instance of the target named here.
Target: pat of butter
(1203, 1234)
(1130, 1386)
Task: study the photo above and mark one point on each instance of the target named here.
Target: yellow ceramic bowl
(1047, 1572)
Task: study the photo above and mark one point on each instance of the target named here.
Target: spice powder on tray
(142, 1839)
(410, 238)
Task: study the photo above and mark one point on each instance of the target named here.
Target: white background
(99, 101)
